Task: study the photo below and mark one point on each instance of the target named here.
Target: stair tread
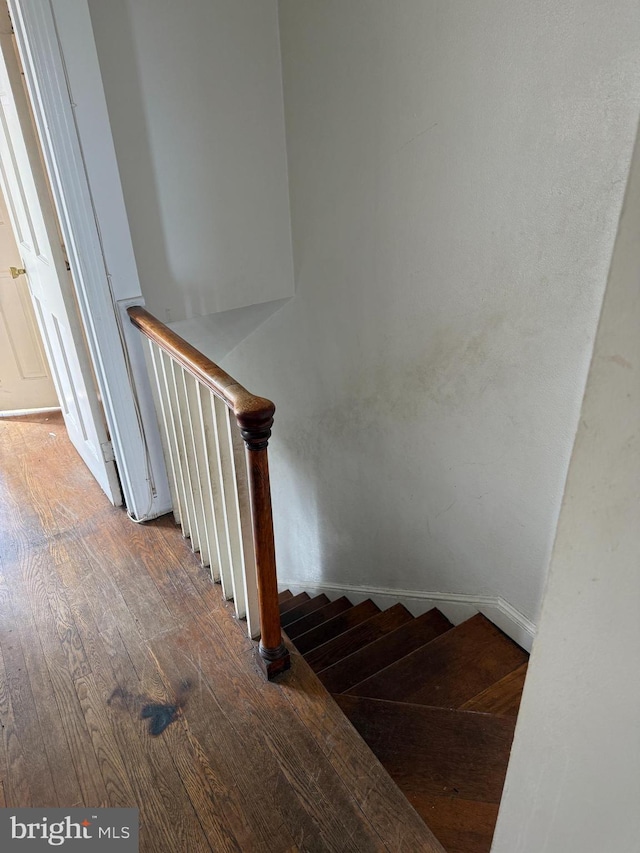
(295, 613)
(449, 763)
(336, 626)
(294, 601)
(384, 651)
(449, 671)
(461, 826)
(341, 646)
(317, 618)
(285, 595)
(503, 697)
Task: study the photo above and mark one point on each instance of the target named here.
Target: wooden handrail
(250, 411)
(254, 416)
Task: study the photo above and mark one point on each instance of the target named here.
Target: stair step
(338, 625)
(503, 697)
(295, 613)
(461, 826)
(450, 670)
(294, 601)
(345, 644)
(384, 651)
(285, 595)
(450, 764)
(318, 617)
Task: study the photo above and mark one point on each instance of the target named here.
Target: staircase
(437, 704)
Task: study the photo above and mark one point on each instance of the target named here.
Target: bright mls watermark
(82, 830)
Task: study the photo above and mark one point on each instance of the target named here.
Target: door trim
(56, 43)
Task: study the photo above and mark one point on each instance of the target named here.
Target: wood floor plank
(110, 760)
(136, 586)
(30, 584)
(65, 626)
(291, 763)
(331, 651)
(245, 765)
(385, 651)
(24, 711)
(449, 670)
(330, 628)
(55, 741)
(13, 765)
(248, 811)
(113, 620)
(167, 817)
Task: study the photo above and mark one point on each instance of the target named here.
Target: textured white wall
(194, 92)
(574, 778)
(456, 176)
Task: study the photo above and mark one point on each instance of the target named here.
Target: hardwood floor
(100, 618)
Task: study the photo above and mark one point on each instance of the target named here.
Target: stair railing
(220, 490)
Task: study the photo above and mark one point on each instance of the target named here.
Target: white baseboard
(16, 413)
(455, 607)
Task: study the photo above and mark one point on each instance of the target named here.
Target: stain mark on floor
(159, 714)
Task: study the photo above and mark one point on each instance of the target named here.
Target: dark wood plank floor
(100, 617)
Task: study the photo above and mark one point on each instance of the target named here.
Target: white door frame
(57, 46)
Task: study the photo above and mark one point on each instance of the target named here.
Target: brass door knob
(15, 272)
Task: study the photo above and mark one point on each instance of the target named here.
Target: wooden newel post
(255, 428)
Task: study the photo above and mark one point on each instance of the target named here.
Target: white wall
(194, 93)
(574, 778)
(456, 176)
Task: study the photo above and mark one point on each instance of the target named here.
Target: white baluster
(172, 372)
(225, 451)
(192, 389)
(165, 376)
(170, 452)
(243, 498)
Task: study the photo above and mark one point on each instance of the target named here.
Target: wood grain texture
(100, 616)
(13, 765)
(331, 651)
(26, 722)
(273, 653)
(16, 617)
(450, 670)
(384, 652)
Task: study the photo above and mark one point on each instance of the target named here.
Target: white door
(27, 193)
(25, 381)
